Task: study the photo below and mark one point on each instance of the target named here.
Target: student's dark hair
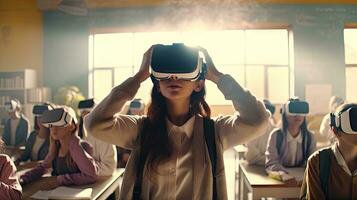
(80, 127)
(155, 141)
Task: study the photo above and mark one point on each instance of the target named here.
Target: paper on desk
(41, 194)
(64, 193)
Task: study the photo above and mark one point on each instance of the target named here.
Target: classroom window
(350, 36)
(253, 57)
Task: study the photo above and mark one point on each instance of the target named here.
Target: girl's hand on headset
(144, 71)
(212, 73)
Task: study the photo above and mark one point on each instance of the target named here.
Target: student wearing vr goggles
(325, 129)
(69, 156)
(255, 154)
(37, 144)
(291, 145)
(104, 154)
(10, 187)
(331, 173)
(17, 127)
(172, 147)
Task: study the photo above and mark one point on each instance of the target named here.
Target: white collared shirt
(293, 143)
(341, 161)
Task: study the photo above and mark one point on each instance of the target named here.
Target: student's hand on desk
(51, 183)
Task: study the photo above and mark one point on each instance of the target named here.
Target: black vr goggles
(177, 60)
(87, 104)
(345, 121)
(296, 107)
(38, 110)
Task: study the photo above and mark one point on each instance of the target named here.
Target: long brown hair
(155, 140)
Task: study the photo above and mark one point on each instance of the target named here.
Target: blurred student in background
(10, 187)
(325, 129)
(69, 157)
(17, 127)
(104, 154)
(39, 140)
(291, 145)
(255, 154)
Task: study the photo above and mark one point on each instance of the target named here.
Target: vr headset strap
(209, 133)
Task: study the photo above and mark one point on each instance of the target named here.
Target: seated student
(39, 140)
(325, 129)
(255, 154)
(10, 187)
(136, 107)
(331, 173)
(103, 153)
(69, 156)
(291, 145)
(16, 128)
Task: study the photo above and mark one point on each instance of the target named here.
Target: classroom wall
(21, 36)
(317, 36)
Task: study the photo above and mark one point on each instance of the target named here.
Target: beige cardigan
(123, 130)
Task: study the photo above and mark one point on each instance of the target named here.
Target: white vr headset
(177, 60)
(58, 117)
(11, 105)
(345, 121)
(296, 108)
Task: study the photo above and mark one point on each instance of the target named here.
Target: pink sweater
(10, 187)
(81, 153)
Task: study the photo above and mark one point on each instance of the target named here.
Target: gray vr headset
(58, 117)
(346, 120)
(87, 104)
(296, 107)
(39, 109)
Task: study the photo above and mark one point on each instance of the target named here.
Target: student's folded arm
(253, 155)
(108, 160)
(272, 162)
(9, 185)
(313, 183)
(81, 153)
(106, 124)
(250, 120)
(37, 172)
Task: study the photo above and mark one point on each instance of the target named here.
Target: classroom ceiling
(96, 4)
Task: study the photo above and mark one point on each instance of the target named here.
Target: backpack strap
(279, 141)
(325, 162)
(209, 133)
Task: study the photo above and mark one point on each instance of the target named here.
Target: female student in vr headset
(170, 140)
(331, 173)
(69, 156)
(291, 145)
(37, 144)
(10, 187)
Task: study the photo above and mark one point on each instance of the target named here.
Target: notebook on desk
(64, 193)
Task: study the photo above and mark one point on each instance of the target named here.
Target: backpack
(209, 134)
(306, 142)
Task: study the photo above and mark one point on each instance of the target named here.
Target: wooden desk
(14, 152)
(104, 187)
(255, 184)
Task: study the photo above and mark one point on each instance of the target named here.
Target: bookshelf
(16, 84)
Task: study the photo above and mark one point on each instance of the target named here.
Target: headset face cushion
(88, 103)
(177, 59)
(353, 119)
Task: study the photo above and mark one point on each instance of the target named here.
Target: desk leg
(241, 182)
